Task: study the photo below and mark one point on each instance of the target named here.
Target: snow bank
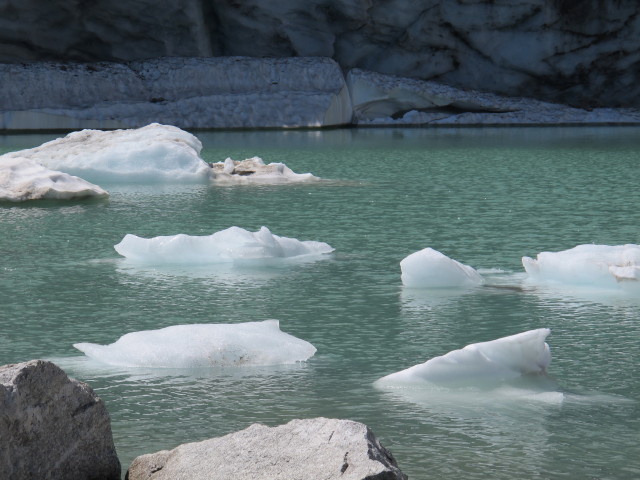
(254, 170)
(204, 345)
(588, 265)
(23, 179)
(498, 360)
(148, 154)
(429, 268)
(231, 245)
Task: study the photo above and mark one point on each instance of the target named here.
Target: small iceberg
(481, 364)
(254, 170)
(203, 345)
(23, 179)
(600, 266)
(234, 244)
(155, 153)
(428, 268)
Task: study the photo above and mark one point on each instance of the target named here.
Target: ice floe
(428, 268)
(481, 364)
(203, 345)
(234, 244)
(588, 265)
(254, 170)
(155, 153)
(23, 179)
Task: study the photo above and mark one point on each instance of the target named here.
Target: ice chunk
(203, 345)
(231, 245)
(429, 268)
(23, 179)
(254, 170)
(155, 153)
(498, 360)
(587, 265)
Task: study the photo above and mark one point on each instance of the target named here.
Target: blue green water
(484, 197)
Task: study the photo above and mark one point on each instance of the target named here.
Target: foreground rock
(223, 92)
(317, 448)
(23, 179)
(52, 427)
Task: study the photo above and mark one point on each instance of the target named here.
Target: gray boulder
(52, 427)
(318, 448)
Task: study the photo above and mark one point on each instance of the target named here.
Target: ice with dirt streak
(234, 244)
(589, 265)
(481, 364)
(203, 345)
(154, 153)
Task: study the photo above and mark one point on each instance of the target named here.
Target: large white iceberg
(234, 244)
(428, 268)
(254, 170)
(500, 360)
(588, 265)
(203, 345)
(148, 154)
(23, 179)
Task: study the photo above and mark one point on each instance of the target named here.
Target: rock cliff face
(584, 53)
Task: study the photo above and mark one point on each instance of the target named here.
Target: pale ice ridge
(24, 179)
(588, 265)
(149, 154)
(429, 268)
(203, 345)
(500, 360)
(254, 170)
(234, 244)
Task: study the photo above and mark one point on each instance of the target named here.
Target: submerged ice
(234, 244)
(588, 265)
(480, 364)
(203, 345)
(429, 268)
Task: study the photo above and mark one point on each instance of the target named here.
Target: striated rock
(229, 92)
(563, 51)
(301, 449)
(389, 100)
(23, 179)
(52, 427)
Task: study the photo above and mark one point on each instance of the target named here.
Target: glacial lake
(483, 196)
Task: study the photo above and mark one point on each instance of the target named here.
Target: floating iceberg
(429, 268)
(588, 265)
(204, 345)
(254, 170)
(481, 364)
(234, 244)
(23, 179)
(149, 154)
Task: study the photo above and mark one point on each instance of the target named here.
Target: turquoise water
(484, 197)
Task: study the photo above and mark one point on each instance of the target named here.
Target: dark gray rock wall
(585, 53)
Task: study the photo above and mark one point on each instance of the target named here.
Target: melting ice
(231, 245)
(429, 268)
(23, 179)
(588, 265)
(254, 170)
(481, 364)
(149, 154)
(203, 345)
